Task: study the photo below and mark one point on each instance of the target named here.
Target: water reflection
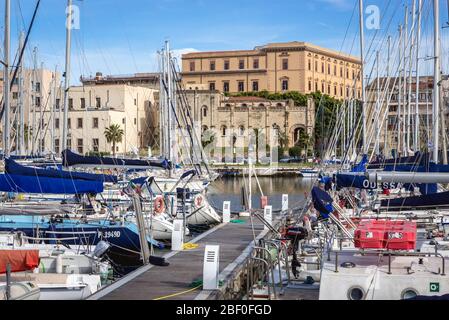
(230, 189)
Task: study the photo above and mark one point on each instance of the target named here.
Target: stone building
(232, 119)
(276, 67)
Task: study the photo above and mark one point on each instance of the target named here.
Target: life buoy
(159, 206)
(199, 200)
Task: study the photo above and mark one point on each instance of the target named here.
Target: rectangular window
(242, 64)
(322, 88)
(83, 103)
(284, 85)
(226, 86)
(15, 95)
(335, 90)
(57, 123)
(256, 64)
(70, 104)
(316, 66)
(335, 70)
(212, 66)
(241, 86)
(95, 123)
(96, 145)
(38, 87)
(98, 103)
(57, 147)
(284, 64)
(310, 65)
(80, 123)
(80, 148)
(226, 65)
(310, 85)
(212, 86)
(69, 123)
(38, 102)
(322, 67)
(341, 72)
(255, 86)
(328, 69)
(69, 144)
(192, 66)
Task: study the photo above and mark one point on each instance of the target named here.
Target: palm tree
(114, 134)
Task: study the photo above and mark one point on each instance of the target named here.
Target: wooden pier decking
(186, 267)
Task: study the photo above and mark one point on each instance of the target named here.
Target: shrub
(294, 152)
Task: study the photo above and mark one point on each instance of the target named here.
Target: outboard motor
(295, 235)
(100, 249)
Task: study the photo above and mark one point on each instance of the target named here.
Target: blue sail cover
(431, 201)
(33, 184)
(361, 167)
(12, 167)
(322, 202)
(70, 159)
(417, 159)
(354, 181)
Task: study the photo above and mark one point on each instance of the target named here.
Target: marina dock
(181, 280)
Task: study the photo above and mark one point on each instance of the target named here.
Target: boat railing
(390, 254)
(260, 267)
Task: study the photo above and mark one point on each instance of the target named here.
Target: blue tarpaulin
(322, 202)
(12, 167)
(33, 184)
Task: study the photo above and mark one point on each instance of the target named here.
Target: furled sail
(71, 159)
(32, 184)
(12, 167)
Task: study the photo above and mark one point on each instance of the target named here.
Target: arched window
(241, 130)
(261, 105)
(279, 105)
(244, 105)
(223, 131)
(204, 111)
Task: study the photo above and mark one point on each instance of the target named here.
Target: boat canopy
(429, 201)
(19, 260)
(355, 180)
(12, 167)
(71, 159)
(44, 185)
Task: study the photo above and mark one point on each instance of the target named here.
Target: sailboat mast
(6, 80)
(400, 90)
(388, 92)
(377, 104)
(67, 73)
(404, 82)
(21, 122)
(436, 81)
(53, 111)
(410, 78)
(418, 43)
(362, 72)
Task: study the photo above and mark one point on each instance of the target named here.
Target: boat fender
(199, 200)
(159, 206)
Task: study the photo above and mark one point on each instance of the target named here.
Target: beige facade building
(39, 87)
(93, 108)
(231, 120)
(389, 136)
(276, 67)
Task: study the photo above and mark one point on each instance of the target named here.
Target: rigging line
(21, 55)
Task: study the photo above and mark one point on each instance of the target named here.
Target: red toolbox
(386, 234)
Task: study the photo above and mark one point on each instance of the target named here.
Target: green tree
(114, 134)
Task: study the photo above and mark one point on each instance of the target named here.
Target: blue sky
(120, 37)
